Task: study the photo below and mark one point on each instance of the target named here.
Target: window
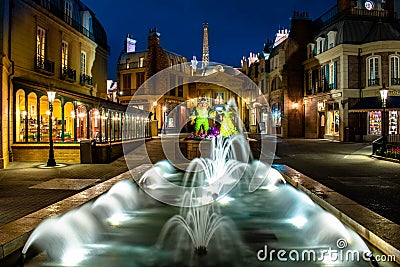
(83, 63)
(375, 123)
(320, 45)
(141, 62)
(333, 119)
(394, 70)
(87, 23)
(373, 71)
(331, 39)
(126, 81)
(64, 55)
(310, 50)
(139, 79)
(40, 42)
(68, 11)
(333, 76)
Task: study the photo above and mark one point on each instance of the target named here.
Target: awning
(375, 103)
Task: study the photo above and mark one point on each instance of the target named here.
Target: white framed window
(333, 75)
(394, 70)
(64, 54)
(83, 62)
(373, 71)
(320, 45)
(141, 62)
(331, 39)
(87, 23)
(68, 11)
(310, 50)
(40, 42)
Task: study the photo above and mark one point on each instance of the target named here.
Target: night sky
(236, 28)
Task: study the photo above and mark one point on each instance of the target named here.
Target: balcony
(395, 81)
(68, 74)
(44, 65)
(86, 80)
(57, 8)
(374, 82)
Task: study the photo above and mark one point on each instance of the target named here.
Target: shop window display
(375, 123)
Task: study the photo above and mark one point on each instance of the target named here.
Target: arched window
(94, 116)
(373, 68)
(69, 117)
(32, 118)
(21, 116)
(81, 123)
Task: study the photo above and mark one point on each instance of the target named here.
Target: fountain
(224, 210)
(221, 220)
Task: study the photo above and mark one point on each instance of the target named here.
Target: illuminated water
(223, 221)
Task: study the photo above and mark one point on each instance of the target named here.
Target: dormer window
(320, 45)
(310, 50)
(68, 11)
(87, 23)
(331, 39)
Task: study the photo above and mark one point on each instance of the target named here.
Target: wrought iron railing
(86, 80)
(374, 82)
(395, 81)
(68, 74)
(44, 65)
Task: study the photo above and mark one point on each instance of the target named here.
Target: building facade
(354, 53)
(325, 75)
(136, 67)
(58, 46)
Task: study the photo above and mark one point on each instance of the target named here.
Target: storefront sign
(336, 95)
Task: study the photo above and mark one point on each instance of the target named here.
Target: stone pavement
(30, 193)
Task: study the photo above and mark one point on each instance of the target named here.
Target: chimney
(153, 38)
(130, 44)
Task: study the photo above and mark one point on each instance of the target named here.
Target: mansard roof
(363, 31)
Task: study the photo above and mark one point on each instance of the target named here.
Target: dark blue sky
(236, 28)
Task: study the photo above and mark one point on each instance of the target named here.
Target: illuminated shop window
(375, 122)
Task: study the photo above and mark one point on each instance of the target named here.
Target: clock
(369, 4)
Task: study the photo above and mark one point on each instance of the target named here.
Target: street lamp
(154, 106)
(384, 95)
(51, 161)
(164, 108)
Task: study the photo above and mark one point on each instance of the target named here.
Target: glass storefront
(375, 122)
(393, 122)
(332, 119)
(73, 120)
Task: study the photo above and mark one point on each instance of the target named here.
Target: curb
(379, 231)
(385, 158)
(14, 235)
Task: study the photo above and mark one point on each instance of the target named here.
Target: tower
(206, 54)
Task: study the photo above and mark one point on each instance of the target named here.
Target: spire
(206, 53)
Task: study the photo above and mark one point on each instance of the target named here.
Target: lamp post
(51, 161)
(164, 109)
(155, 111)
(384, 95)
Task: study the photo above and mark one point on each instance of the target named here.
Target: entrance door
(321, 131)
